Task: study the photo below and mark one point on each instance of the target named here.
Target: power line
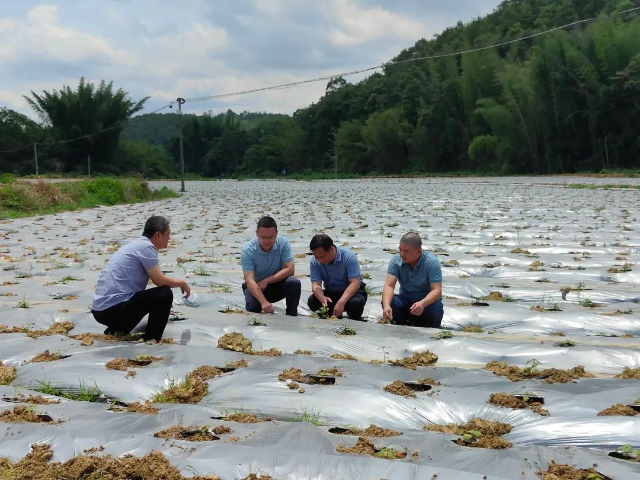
(330, 77)
(401, 62)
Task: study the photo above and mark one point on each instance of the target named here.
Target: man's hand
(387, 313)
(416, 309)
(186, 290)
(326, 301)
(267, 307)
(263, 283)
(338, 309)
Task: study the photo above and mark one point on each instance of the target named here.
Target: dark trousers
(353, 308)
(288, 288)
(431, 316)
(123, 317)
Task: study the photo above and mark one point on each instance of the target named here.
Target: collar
(338, 256)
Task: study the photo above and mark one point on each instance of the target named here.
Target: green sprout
(471, 436)
(531, 367)
(345, 330)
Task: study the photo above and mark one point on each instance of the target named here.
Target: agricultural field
(537, 365)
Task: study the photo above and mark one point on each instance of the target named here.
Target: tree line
(560, 103)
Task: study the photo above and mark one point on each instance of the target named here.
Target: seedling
(142, 356)
(23, 303)
(68, 279)
(345, 330)
(256, 322)
(471, 436)
(202, 271)
(309, 416)
(322, 312)
(443, 335)
(85, 393)
(531, 367)
(387, 453)
(628, 452)
(567, 343)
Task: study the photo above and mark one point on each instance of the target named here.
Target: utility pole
(89, 164)
(180, 102)
(35, 155)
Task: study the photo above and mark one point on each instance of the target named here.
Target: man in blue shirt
(122, 299)
(419, 302)
(267, 265)
(339, 270)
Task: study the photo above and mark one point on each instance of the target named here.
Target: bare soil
(37, 464)
(117, 364)
(302, 352)
(294, 374)
(34, 399)
(343, 356)
(245, 418)
(22, 414)
(371, 431)
(330, 372)
(399, 388)
(618, 410)
(511, 401)
(7, 374)
(5, 329)
(630, 373)
(557, 471)
(45, 357)
(145, 408)
(238, 364)
(236, 342)
(205, 373)
(550, 375)
(222, 429)
(422, 359)
(191, 391)
(429, 381)
(473, 328)
(254, 476)
(196, 434)
(364, 446)
(57, 328)
(491, 433)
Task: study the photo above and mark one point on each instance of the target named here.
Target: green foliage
(345, 330)
(530, 367)
(84, 394)
(322, 312)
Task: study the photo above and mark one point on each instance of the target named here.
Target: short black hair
(412, 239)
(155, 224)
(321, 240)
(267, 222)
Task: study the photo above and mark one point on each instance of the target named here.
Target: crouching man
(267, 265)
(122, 299)
(419, 302)
(339, 270)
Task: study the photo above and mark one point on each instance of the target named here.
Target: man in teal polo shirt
(339, 270)
(267, 265)
(419, 302)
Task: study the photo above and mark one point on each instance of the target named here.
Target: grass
(309, 416)
(22, 199)
(85, 393)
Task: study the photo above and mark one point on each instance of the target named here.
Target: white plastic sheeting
(576, 234)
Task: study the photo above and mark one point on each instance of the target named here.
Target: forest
(564, 102)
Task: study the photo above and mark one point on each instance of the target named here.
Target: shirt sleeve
(246, 259)
(353, 267)
(148, 257)
(435, 272)
(287, 255)
(314, 271)
(394, 268)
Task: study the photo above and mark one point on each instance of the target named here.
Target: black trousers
(353, 308)
(123, 317)
(289, 289)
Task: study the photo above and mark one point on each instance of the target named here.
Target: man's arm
(159, 279)
(354, 286)
(288, 270)
(387, 295)
(256, 291)
(433, 296)
(316, 289)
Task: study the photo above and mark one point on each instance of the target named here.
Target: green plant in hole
(23, 303)
(386, 452)
(580, 286)
(322, 312)
(628, 451)
(345, 330)
(365, 275)
(85, 393)
(201, 271)
(27, 327)
(585, 302)
(594, 476)
(567, 343)
(443, 335)
(471, 436)
(142, 356)
(531, 367)
(204, 430)
(255, 321)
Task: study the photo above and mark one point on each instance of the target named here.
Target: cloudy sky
(193, 48)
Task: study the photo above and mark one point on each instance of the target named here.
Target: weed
(309, 416)
(68, 278)
(84, 394)
(202, 271)
(628, 452)
(567, 343)
(345, 330)
(471, 436)
(322, 312)
(142, 356)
